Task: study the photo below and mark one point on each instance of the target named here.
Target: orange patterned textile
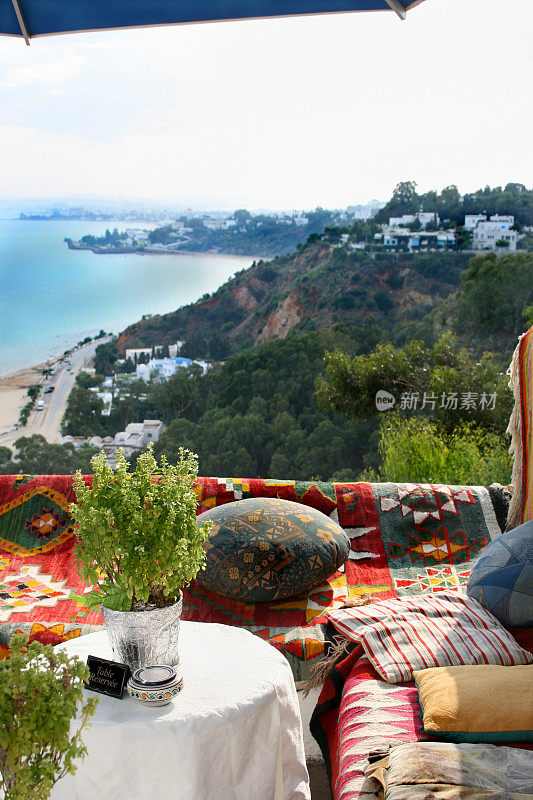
(404, 539)
(521, 430)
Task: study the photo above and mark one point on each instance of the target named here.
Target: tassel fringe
(337, 651)
(514, 429)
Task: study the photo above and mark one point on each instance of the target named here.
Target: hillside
(321, 285)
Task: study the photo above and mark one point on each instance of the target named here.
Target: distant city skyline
(325, 111)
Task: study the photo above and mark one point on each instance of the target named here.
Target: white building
(219, 224)
(503, 218)
(495, 234)
(137, 436)
(424, 217)
(471, 220)
(135, 352)
(137, 234)
(106, 397)
(173, 349)
(161, 369)
(423, 240)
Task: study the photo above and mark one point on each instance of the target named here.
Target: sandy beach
(13, 393)
(47, 420)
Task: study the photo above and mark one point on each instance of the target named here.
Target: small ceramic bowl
(156, 685)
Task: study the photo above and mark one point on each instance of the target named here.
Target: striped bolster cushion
(438, 629)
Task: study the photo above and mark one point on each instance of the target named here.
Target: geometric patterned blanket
(358, 715)
(405, 538)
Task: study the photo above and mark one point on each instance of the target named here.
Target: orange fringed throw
(521, 430)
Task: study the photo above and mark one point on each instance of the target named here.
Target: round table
(233, 733)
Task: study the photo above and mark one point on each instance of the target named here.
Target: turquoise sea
(51, 297)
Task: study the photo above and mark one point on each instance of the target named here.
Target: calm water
(51, 297)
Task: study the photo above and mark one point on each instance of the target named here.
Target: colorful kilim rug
(359, 717)
(404, 539)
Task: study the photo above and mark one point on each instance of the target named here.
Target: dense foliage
(137, 539)
(419, 450)
(514, 199)
(41, 691)
(257, 414)
(321, 285)
(443, 381)
(495, 292)
(35, 456)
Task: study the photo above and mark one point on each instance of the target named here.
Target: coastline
(155, 252)
(13, 392)
(47, 420)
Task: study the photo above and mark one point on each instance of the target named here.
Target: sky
(288, 113)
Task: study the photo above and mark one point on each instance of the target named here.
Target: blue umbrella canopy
(28, 18)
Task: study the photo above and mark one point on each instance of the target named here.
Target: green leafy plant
(138, 541)
(418, 449)
(40, 693)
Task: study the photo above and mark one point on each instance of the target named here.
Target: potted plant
(138, 545)
(41, 690)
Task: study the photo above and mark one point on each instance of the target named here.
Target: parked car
(40, 405)
(49, 389)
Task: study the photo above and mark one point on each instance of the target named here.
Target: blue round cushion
(264, 548)
(502, 577)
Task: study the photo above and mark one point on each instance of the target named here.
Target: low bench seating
(405, 539)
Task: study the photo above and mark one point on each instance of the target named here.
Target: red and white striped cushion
(438, 629)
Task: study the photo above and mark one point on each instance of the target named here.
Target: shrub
(41, 689)
(418, 449)
(138, 541)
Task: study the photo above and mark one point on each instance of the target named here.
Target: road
(48, 421)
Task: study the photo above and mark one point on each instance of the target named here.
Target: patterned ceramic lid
(154, 676)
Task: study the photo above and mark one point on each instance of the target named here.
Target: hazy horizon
(272, 114)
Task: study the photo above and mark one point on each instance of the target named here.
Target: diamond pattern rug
(404, 539)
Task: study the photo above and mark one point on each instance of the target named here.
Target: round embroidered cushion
(268, 549)
(502, 577)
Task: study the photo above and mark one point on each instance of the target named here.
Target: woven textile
(404, 539)
(433, 630)
(458, 771)
(264, 549)
(372, 717)
(359, 715)
(521, 430)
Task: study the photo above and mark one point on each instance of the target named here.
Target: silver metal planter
(144, 638)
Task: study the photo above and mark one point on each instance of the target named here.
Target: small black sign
(107, 677)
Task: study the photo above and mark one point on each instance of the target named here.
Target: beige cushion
(477, 703)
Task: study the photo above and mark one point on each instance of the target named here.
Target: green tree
(36, 456)
(242, 216)
(351, 384)
(494, 294)
(83, 415)
(418, 450)
(176, 396)
(405, 193)
(33, 391)
(86, 381)
(105, 357)
(6, 464)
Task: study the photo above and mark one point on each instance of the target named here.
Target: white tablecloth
(233, 733)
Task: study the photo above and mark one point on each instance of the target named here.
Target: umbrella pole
(22, 22)
(396, 5)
